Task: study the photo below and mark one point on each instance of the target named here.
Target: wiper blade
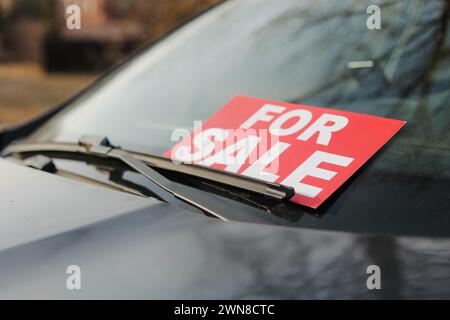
(267, 189)
(165, 189)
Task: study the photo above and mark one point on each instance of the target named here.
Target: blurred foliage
(157, 17)
(33, 9)
(2, 18)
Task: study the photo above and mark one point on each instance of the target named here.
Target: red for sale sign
(312, 149)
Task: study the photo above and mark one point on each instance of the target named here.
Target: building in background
(108, 32)
(36, 30)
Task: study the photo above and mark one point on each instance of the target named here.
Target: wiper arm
(100, 146)
(165, 189)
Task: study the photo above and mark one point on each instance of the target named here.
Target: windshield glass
(319, 53)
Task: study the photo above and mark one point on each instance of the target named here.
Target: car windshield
(322, 53)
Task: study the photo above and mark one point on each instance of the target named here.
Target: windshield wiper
(167, 190)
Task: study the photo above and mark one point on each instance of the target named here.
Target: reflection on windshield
(288, 50)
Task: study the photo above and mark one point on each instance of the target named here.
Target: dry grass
(26, 90)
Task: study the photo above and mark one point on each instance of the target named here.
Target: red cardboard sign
(314, 150)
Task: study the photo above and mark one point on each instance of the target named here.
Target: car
(92, 209)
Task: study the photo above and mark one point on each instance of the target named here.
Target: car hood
(133, 247)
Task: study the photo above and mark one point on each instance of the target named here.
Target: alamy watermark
(73, 281)
(373, 22)
(374, 280)
(73, 17)
(260, 148)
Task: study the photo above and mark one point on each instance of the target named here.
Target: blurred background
(42, 62)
